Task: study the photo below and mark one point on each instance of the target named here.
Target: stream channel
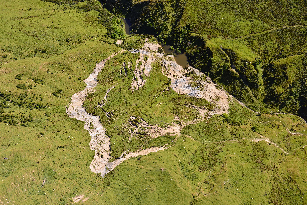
(180, 58)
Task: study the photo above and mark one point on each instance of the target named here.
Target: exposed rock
(143, 67)
(119, 42)
(181, 84)
(79, 198)
(154, 131)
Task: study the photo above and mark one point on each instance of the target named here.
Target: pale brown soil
(154, 131)
(181, 84)
(79, 198)
(267, 140)
(145, 66)
(100, 142)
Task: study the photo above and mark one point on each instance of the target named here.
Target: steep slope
(146, 102)
(218, 150)
(46, 50)
(248, 47)
(180, 83)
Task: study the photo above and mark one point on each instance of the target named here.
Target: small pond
(180, 58)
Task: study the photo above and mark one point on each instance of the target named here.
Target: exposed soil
(267, 140)
(100, 142)
(79, 199)
(181, 84)
(154, 131)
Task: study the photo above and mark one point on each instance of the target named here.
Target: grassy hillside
(46, 52)
(237, 158)
(47, 49)
(235, 43)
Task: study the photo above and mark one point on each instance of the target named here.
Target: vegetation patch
(48, 48)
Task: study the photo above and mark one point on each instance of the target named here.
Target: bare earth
(181, 84)
(100, 142)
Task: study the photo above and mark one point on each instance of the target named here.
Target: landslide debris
(180, 83)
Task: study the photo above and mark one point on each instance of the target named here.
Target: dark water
(180, 58)
(167, 49)
(127, 26)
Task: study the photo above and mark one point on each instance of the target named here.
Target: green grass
(235, 43)
(234, 166)
(155, 102)
(39, 74)
(47, 50)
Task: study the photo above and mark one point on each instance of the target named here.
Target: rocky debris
(143, 66)
(206, 90)
(100, 142)
(79, 198)
(181, 84)
(119, 42)
(188, 81)
(103, 168)
(153, 131)
(104, 101)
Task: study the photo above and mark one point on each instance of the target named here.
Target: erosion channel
(180, 82)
